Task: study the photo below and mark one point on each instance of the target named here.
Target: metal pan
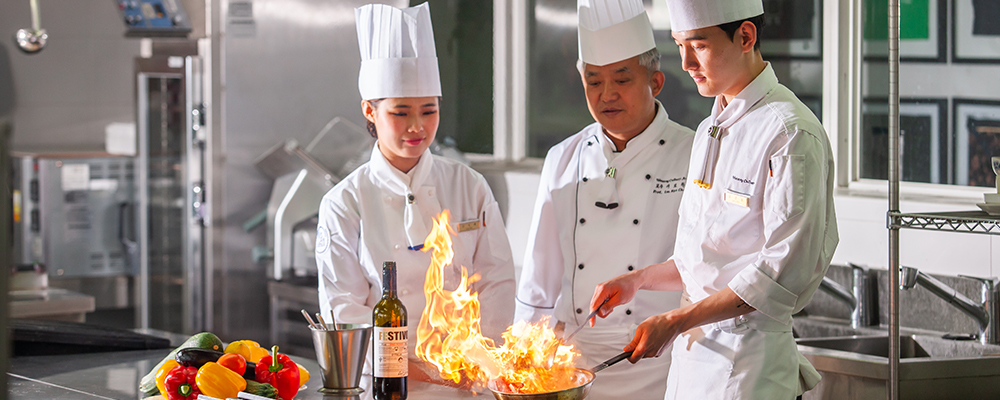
(574, 393)
(584, 376)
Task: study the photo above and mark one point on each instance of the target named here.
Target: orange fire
(532, 359)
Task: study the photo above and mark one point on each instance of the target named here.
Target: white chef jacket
(573, 244)
(361, 225)
(767, 230)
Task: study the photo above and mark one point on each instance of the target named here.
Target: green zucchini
(261, 389)
(203, 340)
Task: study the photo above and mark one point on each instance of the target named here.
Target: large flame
(532, 359)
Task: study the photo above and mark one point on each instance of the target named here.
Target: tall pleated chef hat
(686, 15)
(397, 52)
(613, 30)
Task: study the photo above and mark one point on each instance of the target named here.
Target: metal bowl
(573, 393)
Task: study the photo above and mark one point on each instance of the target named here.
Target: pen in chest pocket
(770, 169)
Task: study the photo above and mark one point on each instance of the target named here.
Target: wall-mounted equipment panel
(154, 18)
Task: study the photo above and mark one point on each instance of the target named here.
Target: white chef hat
(397, 52)
(686, 15)
(613, 30)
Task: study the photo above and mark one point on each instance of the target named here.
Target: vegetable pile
(202, 365)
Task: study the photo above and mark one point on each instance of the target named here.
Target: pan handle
(612, 361)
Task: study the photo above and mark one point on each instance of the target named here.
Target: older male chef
(757, 224)
(608, 197)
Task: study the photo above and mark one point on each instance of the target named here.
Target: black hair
(371, 125)
(731, 27)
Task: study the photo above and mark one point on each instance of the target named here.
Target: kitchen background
(184, 233)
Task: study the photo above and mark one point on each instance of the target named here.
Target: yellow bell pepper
(303, 375)
(161, 375)
(220, 382)
(249, 349)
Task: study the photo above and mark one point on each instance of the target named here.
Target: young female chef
(384, 210)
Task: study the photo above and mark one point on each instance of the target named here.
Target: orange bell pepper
(234, 362)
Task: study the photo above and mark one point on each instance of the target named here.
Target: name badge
(468, 226)
(738, 199)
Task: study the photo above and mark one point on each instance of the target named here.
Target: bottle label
(390, 352)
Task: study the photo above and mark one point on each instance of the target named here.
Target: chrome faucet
(863, 299)
(985, 311)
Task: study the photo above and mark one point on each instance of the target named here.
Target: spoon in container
(319, 317)
(310, 320)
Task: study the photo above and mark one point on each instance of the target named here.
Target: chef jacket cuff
(763, 293)
(528, 313)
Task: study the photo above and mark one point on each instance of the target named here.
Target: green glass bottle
(389, 352)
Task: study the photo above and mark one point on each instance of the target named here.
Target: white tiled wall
(865, 239)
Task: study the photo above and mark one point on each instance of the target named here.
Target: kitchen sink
(870, 345)
(854, 363)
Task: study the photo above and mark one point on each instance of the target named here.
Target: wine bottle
(389, 350)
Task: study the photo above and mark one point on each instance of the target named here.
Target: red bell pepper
(180, 383)
(280, 371)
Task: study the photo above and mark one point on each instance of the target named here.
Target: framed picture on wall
(976, 31)
(921, 30)
(923, 140)
(792, 29)
(977, 138)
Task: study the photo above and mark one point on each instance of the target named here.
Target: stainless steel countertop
(47, 303)
(116, 376)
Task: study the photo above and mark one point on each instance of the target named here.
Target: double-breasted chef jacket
(589, 227)
(361, 225)
(766, 229)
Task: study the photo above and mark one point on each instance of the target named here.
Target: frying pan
(585, 378)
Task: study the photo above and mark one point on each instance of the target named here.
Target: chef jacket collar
(725, 115)
(635, 145)
(397, 181)
(402, 184)
(607, 187)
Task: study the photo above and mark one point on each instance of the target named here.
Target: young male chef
(757, 224)
(608, 198)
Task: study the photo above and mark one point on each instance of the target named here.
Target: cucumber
(261, 389)
(204, 340)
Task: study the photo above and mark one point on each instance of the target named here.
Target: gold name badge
(738, 199)
(468, 226)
